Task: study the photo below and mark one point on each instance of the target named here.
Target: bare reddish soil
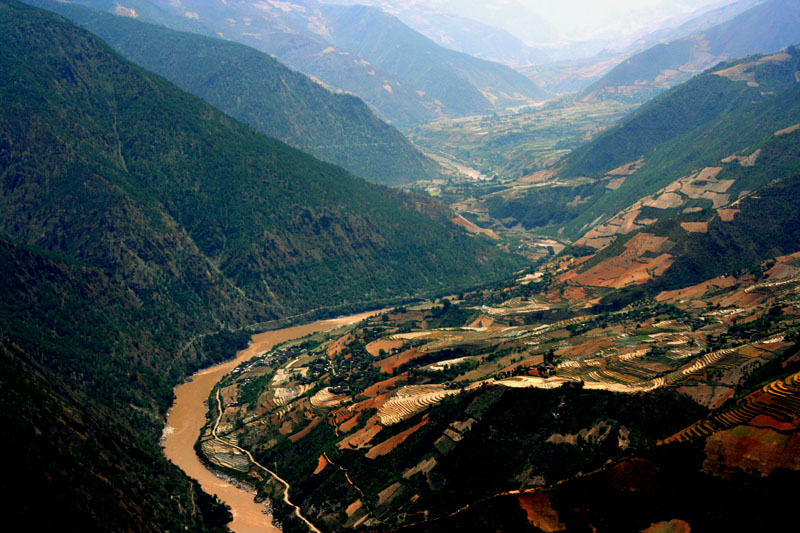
(696, 291)
(374, 348)
(338, 346)
(540, 512)
(321, 464)
(753, 449)
(383, 386)
(630, 267)
(390, 444)
(362, 437)
(473, 228)
(635, 474)
(389, 364)
(305, 431)
(353, 507)
(349, 416)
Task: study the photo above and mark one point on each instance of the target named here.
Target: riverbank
(187, 416)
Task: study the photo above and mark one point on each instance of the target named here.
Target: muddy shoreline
(187, 416)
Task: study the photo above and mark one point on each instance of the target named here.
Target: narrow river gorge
(188, 415)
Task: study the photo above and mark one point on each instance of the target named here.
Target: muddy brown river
(188, 415)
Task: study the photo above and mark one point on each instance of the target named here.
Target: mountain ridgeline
(255, 88)
(762, 29)
(407, 77)
(732, 110)
(138, 225)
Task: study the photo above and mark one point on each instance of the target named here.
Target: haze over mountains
(525, 33)
(136, 217)
(407, 77)
(768, 27)
(577, 292)
(256, 89)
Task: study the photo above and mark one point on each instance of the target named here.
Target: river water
(188, 415)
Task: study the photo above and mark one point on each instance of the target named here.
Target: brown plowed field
(337, 346)
(374, 348)
(390, 444)
(362, 437)
(383, 386)
(696, 291)
(388, 364)
(321, 464)
(305, 431)
(627, 169)
(695, 227)
(474, 228)
(752, 449)
(537, 177)
(540, 512)
(629, 267)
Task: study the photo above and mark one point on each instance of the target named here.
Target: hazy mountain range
(161, 198)
(767, 27)
(136, 217)
(255, 88)
(404, 75)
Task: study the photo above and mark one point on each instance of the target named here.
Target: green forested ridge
(406, 76)
(702, 102)
(255, 88)
(74, 465)
(136, 220)
(458, 80)
(251, 208)
(690, 127)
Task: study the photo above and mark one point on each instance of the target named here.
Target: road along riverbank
(187, 416)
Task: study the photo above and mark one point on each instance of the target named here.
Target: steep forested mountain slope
(355, 49)
(470, 34)
(463, 83)
(138, 223)
(253, 87)
(765, 28)
(309, 53)
(713, 122)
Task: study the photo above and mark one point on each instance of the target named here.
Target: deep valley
(323, 266)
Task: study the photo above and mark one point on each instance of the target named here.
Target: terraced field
(514, 143)
(326, 398)
(410, 400)
(380, 386)
(778, 400)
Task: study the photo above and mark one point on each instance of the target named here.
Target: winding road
(187, 417)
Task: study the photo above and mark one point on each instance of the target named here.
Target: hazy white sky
(540, 21)
(569, 13)
(591, 17)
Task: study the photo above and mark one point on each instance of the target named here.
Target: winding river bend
(188, 415)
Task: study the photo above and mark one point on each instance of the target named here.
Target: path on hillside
(249, 455)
